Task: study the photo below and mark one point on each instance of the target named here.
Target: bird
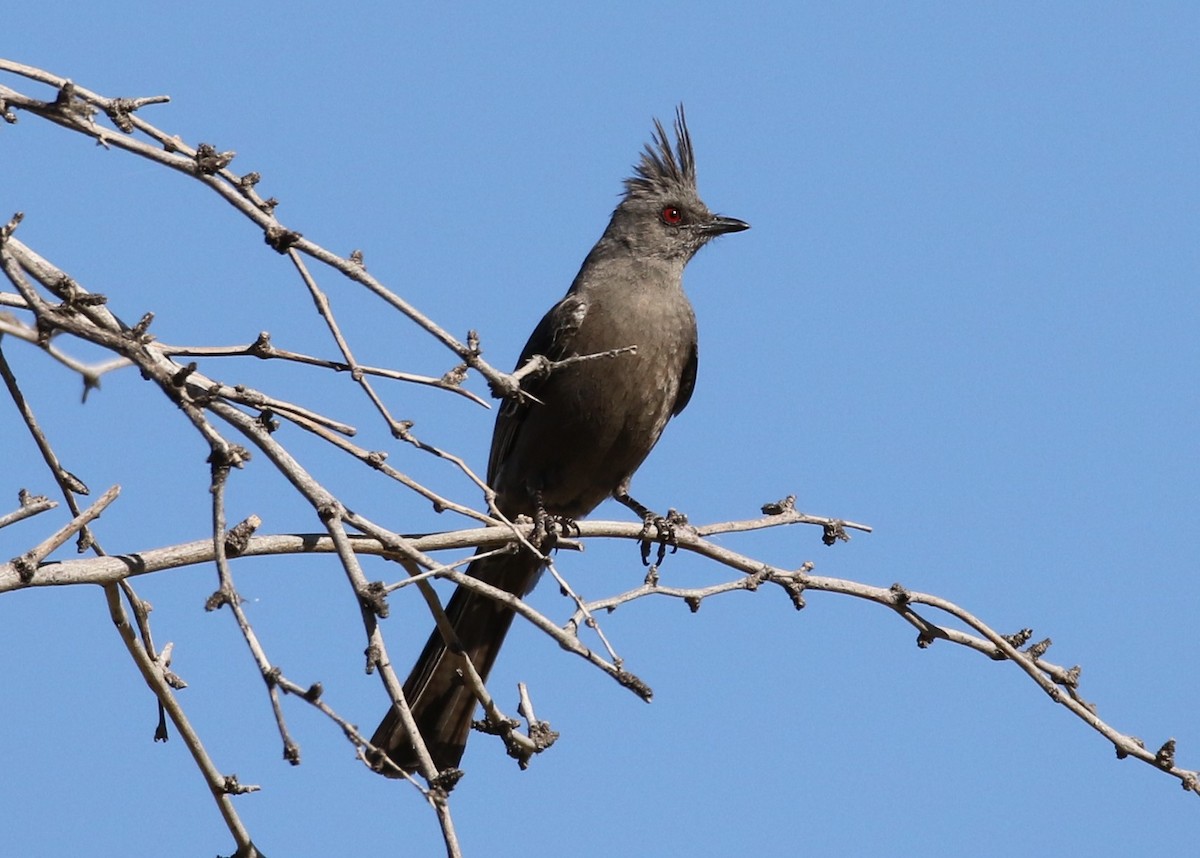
(584, 428)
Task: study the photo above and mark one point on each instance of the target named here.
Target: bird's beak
(720, 225)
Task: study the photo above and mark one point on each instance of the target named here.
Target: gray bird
(593, 423)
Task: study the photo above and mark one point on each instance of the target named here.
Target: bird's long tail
(441, 703)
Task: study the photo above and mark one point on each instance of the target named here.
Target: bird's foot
(660, 529)
(664, 533)
(548, 527)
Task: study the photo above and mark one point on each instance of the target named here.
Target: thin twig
(30, 505)
(28, 562)
(263, 349)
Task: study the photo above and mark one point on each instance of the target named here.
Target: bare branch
(30, 505)
(26, 565)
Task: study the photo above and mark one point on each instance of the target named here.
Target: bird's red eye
(672, 215)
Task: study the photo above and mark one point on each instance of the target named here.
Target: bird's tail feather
(441, 703)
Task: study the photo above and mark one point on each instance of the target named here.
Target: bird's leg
(548, 526)
(664, 526)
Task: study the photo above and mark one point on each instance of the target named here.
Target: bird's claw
(547, 527)
(664, 534)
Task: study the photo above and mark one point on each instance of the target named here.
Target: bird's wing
(553, 338)
(687, 381)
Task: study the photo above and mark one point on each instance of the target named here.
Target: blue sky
(966, 314)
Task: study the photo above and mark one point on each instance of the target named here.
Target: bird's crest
(662, 168)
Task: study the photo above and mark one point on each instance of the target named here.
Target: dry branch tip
(209, 161)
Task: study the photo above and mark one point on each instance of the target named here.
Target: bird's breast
(599, 418)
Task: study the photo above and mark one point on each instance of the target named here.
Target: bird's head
(661, 213)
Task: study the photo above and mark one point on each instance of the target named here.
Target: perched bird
(592, 424)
